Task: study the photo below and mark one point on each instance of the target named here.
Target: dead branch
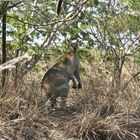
(135, 75)
(11, 64)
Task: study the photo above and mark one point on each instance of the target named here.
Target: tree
(4, 16)
(109, 26)
(28, 21)
(113, 29)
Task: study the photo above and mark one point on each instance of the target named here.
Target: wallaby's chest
(73, 63)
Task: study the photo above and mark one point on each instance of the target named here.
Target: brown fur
(56, 80)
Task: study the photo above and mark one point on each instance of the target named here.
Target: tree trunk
(4, 72)
(16, 71)
(117, 73)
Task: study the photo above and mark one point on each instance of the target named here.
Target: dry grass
(94, 112)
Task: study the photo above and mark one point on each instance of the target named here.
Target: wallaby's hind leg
(53, 102)
(63, 102)
(74, 81)
(77, 76)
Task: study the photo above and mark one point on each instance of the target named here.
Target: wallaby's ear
(69, 41)
(69, 44)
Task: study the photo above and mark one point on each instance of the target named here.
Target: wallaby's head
(73, 45)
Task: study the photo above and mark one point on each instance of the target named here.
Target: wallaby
(56, 80)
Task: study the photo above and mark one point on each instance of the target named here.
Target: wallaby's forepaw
(79, 85)
(74, 86)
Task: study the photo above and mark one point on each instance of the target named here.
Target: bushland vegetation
(33, 38)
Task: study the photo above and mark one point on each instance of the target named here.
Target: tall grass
(95, 112)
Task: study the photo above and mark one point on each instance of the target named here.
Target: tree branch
(13, 5)
(11, 63)
(135, 75)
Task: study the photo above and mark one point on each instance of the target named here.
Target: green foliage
(133, 4)
(82, 69)
(86, 53)
(137, 58)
